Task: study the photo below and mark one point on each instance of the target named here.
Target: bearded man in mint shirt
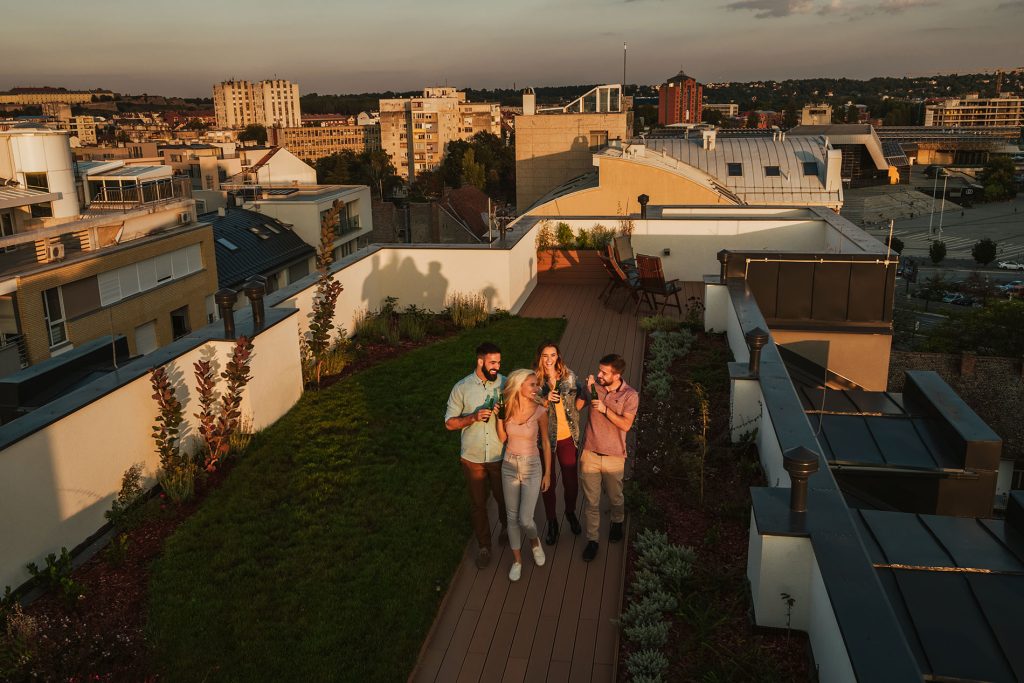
(470, 411)
(603, 462)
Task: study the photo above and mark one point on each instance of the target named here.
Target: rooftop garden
(323, 546)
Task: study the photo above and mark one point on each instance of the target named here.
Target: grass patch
(325, 553)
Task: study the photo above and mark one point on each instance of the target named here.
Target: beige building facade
(310, 143)
(974, 111)
(269, 103)
(38, 96)
(416, 131)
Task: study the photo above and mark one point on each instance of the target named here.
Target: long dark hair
(560, 368)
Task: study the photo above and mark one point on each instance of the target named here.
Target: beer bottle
(593, 391)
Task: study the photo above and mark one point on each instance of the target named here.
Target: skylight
(227, 244)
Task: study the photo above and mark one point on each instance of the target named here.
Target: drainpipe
(643, 199)
(255, 289)
(756, 339)
(800, 463)
(226, 299)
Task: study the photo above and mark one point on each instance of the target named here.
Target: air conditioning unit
(184, 217)
(55, 252)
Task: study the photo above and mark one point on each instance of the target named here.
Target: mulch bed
(713, 637)
(102, 638)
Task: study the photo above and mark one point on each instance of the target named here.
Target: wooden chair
(633, 285)
(652, 281)
(624, 251)
(627, 268)
(613, 279)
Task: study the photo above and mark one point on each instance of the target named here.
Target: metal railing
(11, 342)
(144, 194)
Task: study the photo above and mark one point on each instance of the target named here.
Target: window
(7, 228)
(735, 169)
(598, 140)
(810, 168)
(37, 181)
(53, 310)
(772, 171)
(179, 322)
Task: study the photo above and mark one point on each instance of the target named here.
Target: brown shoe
(503, 536)
(483, 558)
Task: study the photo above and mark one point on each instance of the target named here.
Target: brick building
(680, 100)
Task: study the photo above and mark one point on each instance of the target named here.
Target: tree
(371, 167)
(791, 114)
(979, 288)
(254, 132)
(937, 251)
(997, 177)
(317, 340)
(712, 116)
(753, 120)
(473, 173)
(896, 244)
(984, 251)
(996, 329)
(933, 290)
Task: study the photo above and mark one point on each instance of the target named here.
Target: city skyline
(395, 46)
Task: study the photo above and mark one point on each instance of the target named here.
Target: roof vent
(708, 138)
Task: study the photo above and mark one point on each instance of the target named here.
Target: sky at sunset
(342, 47)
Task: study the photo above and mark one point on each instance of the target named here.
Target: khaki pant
(594, 471)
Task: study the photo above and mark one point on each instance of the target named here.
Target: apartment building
(973, 111)
(680, 100)
(206, 165)
(325, 137)
(730, 110)
(557, 144)
(415, 131)
(38, 96)
(816, 115)
(90, 249)
(274, 102)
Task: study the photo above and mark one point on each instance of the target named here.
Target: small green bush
(545, 237)
(128, 498)
(650, 664)
(412, 327)
(583, 240)
(56, 575)
(467, 310)
(178, 481)
(117, 551)
(600, 236)
(647, 636)
(658, 323)
(564, 236)
(666, 347)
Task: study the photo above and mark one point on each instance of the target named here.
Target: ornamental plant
(168, 419)
(218, 429)
(318, 337)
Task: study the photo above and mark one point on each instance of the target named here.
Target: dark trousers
(481, 478)
(565, 454)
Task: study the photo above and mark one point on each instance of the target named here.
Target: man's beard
(491, 374)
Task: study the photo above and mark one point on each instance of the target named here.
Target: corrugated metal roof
(133, 172)
(755, 155)
(258, 253)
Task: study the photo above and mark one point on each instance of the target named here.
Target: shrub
(646, 582)
(600, 236)
(564, 236)
(658, 323)
(18, 633)
(318, 338)
(179, 483)
(467, 310)
(128, 497)
(666, 347)
(984, 251)
(641, 612)
(645, 636)
(56, 575)
(545, 237)
(583, 240)
(218, 430)
(176, 474)
(937, 251)
(650, 664)
(117, 551)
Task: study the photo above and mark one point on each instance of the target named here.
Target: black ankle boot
(574, 524)
(552, 533)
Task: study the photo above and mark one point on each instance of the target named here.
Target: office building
(38, 96)
(976, 112)
(556, 144)
(275, 102)
(321, 138)
(415, 131)
(731, 110)
(680, 100)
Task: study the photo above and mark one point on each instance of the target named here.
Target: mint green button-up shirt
(480, 439)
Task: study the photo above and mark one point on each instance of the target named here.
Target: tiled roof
(262, 245)
(469, 205)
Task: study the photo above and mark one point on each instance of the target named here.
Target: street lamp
(942, 206)
(935, 186)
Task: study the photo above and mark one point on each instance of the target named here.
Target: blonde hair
(513, 397)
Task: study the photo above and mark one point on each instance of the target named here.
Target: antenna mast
(623, 67)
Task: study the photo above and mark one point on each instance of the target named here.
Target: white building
(269, 103)
(973, 111)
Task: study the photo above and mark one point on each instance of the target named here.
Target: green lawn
(325, 553)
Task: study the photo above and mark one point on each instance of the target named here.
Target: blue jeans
(520, 482)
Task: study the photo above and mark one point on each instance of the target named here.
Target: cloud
(764, 9)
(1017, 5)
(900, 6)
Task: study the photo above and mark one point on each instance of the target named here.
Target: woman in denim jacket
(563, 397)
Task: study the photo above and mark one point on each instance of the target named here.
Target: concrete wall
(863, 358)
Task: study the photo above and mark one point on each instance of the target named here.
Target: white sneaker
(515, 572)
(538, 555)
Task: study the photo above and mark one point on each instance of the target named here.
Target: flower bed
(710, 634)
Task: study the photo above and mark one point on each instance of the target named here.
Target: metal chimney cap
(723, 255)
(756, 338)
(643, 199)
(225, 296)
(255, 287)
(800, 461)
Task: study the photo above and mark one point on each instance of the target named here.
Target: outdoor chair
(627, 268)
(624, 251)
(652, 281)
(613, 278)
(632, 284)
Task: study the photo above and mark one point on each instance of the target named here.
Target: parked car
(1014, 291)
(1011, 265)
(1012, 284)
(957, 299)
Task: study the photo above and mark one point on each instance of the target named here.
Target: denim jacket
(569, 389)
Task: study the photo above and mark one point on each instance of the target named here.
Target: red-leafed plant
(177, 473)
(217, 429)
(317, 343)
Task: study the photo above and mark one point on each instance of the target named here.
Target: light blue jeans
(520, 482)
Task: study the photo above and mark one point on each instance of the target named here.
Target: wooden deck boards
(555, 623)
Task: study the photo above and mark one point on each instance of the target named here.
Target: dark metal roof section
(957, 586)
(262, 245)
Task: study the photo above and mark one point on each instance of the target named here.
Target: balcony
(134, 196)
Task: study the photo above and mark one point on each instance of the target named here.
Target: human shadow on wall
(401, 278)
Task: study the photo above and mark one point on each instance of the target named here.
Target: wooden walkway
(555, 623)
